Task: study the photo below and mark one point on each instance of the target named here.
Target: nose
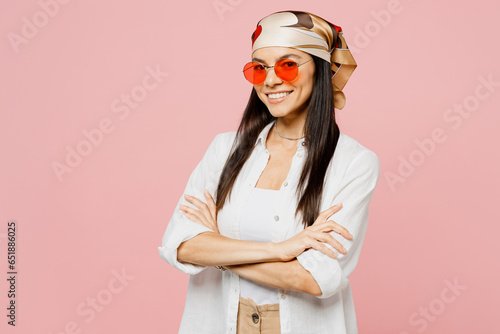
(271, 78)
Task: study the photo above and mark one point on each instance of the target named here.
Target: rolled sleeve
(355, 192)
(180, 228)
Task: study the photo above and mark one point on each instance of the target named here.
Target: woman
(271, 252)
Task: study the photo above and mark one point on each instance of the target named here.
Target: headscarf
(312, 34)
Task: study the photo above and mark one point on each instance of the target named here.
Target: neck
(290, 128)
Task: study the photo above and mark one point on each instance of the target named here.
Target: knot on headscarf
(312, 34)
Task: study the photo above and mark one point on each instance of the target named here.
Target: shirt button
(299, 155)
(285, 184)
(255, 318)
(276, 218)
(283, 296)
(303, 143)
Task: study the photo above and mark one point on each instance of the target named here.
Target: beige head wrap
(309, 33)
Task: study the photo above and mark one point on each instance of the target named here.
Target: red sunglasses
(285, 69)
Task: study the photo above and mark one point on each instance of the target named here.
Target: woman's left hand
(206, 213)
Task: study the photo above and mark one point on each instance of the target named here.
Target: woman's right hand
(314, 236)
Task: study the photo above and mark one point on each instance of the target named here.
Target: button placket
(283, 218)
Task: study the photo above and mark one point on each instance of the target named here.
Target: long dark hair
(321, 136)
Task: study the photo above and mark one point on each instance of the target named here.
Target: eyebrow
(289, 55)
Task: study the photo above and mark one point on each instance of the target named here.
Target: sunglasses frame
(269, 67)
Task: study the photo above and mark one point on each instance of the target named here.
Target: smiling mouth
(275, 96)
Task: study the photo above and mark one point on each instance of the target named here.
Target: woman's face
(298, 91)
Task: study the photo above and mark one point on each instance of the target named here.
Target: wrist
(275, 251)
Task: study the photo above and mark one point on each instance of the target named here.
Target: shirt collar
(261, 139)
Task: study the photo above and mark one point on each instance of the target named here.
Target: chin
(277, 112)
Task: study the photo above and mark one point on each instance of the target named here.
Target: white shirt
(213, 296)
(257, 219)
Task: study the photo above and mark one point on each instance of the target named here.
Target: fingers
(205, 214)
(330, 226)
(327, 213)
(197, 217)
(323, 249)
(190, 213)
(211, 203)
(213, 209)
(202, 206)
(194, 215)
(341, 230)
(325, 237)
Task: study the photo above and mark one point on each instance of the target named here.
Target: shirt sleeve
(180, 228)
(355, 192)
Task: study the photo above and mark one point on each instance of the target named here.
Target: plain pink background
(437, 225)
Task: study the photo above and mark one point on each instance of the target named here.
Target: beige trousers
(258, 319)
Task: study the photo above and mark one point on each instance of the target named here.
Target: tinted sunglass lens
(255, 73)
(286, 69)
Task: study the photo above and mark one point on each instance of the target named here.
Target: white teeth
(278, 95)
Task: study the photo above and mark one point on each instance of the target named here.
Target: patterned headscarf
(309, 33)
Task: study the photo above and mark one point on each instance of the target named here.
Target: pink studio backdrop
(424, 97)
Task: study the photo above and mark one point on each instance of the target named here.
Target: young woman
(272, 250)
